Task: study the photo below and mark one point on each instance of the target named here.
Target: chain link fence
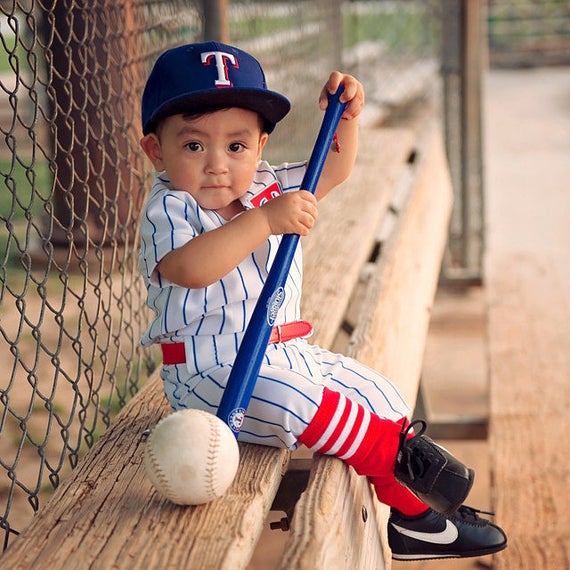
(73, 180)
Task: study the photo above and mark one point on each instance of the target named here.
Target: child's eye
(194, 146)
(236, 147)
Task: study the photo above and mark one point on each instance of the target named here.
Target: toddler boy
(210, 230)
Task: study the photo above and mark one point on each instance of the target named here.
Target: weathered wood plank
(328, 527)
(342, 241)
(391, 333)
(335, 523)
(529, 362)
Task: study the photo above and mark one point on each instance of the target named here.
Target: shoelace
(469, 513)
(413, 462)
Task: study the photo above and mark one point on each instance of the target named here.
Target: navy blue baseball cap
(208, 76)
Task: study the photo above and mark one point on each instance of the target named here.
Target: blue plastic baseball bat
(247, 364)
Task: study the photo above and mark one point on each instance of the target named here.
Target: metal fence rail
(73, 180)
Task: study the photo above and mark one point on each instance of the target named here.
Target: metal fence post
(463, 53)
(91, 106)
(216, 26)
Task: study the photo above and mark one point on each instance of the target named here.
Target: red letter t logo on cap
(221, 58)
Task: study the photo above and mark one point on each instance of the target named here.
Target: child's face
(213, 157)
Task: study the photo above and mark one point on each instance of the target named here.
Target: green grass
(24, 190)
(260, 26)
(8, 49)
(402, 30)
(16, 51)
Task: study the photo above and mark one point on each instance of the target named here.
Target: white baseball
(191, 457)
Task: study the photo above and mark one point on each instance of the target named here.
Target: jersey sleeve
(290, 175)
(165, 226)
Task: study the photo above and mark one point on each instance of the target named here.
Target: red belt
(175, 353)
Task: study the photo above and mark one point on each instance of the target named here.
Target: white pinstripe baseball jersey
(170, 219)
(211, 322)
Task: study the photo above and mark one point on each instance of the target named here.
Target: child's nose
(216, 162)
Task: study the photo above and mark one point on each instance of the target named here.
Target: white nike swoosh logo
(446, 536)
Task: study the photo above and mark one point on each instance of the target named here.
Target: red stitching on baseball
(211, 463)
(159, 473)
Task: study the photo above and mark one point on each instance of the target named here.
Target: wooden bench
(372, 266)
(529, 353)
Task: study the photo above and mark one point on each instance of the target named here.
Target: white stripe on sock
(346, 430)
(359, 437)
(332, 424)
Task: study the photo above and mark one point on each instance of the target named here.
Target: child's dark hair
(207, 110)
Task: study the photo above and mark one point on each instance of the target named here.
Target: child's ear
(151, 147)
(262, 141)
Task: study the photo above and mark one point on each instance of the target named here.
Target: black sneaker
(431, 472)
(433, 535)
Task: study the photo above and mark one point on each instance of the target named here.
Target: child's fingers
(309, 201)
(306, 213)
(331, 87)
(293, 212)
(354, 106)
(353, 93)
(336, 78)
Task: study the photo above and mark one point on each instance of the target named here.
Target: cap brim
(270, 105)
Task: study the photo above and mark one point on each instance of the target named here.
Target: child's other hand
(291, 213)
(353, 93)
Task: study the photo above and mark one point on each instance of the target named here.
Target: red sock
(363, 440)
(392, 493)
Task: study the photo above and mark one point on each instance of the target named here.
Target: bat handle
(247, 364)
(332, 116)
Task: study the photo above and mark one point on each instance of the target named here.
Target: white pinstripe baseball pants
(288, 391)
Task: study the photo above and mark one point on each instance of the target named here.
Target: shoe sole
(469, 554)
